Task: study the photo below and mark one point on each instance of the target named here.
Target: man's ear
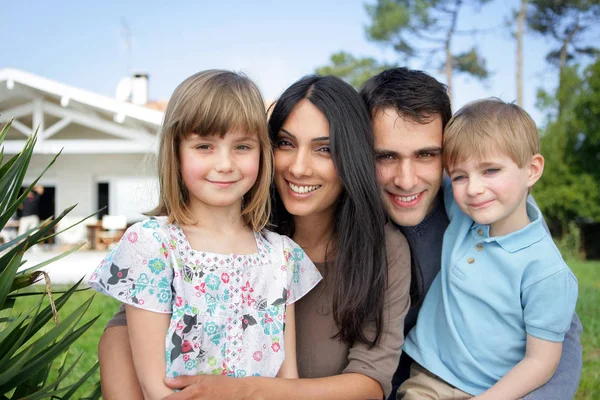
(536, 168)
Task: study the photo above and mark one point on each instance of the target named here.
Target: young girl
(202, 269)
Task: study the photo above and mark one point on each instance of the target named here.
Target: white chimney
(139, 89)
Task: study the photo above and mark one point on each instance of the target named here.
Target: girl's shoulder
(279, 241)
(151, 227)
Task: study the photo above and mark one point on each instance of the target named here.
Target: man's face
(409, 165)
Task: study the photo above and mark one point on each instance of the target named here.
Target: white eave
(70, 93)
(135, 126)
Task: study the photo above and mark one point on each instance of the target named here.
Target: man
(409, 110)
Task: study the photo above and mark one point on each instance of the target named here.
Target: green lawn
(588, 308)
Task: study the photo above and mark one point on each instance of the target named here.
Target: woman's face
(306, 178)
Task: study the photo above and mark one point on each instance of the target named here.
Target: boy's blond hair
(213, 102)
(487, 126)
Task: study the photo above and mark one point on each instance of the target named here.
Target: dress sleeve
(381, 361)
(138, 271)
(302, 275)
(548, 305)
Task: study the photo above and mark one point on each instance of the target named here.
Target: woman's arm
(147, 330)
(339, 387)
(289, 368)
(536, 368)
(117, 373)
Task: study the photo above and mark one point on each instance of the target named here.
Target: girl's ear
(536, 168)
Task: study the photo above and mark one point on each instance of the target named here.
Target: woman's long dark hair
(357, 270)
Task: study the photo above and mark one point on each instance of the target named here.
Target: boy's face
(409, 165)
(493, 191)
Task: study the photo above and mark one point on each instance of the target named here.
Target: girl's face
(306, 178)
(218, 171)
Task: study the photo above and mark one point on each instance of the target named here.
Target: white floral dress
(228, 310)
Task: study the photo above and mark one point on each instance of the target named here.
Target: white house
(108, 145)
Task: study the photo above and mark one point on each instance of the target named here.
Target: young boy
(493, 321)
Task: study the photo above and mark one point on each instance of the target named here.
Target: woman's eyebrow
(288, 133)
(317, 139)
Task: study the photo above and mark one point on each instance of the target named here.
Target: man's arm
(564, 382)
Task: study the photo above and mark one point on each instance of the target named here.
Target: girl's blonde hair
(213, 102)
(487, 126)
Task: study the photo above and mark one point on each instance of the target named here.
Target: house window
(102, 199)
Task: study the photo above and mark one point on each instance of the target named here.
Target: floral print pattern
(227, 310)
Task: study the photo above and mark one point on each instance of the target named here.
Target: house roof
(72, 119)
(66, 93)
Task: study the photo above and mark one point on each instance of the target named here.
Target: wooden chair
(113, 228)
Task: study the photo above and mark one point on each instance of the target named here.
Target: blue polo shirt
(490, 294)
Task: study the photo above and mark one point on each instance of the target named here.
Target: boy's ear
(536, 168)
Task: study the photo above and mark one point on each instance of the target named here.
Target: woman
(350, 327)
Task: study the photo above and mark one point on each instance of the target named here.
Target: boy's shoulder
(544, 259)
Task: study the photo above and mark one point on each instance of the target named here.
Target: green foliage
(569, 23)
(355, 71)
(586, 145)
(569, 191)
(26, 359)
(88, 343)
(415, 28)
(472, 63)
(570, 243)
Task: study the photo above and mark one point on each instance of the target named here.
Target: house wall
(76, 178)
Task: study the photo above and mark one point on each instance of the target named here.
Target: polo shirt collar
(525, 237)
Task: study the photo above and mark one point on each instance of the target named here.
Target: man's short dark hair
(414, 94)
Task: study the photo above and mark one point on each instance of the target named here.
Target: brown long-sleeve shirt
(319, 355)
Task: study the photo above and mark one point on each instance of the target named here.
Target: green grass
(588, 307)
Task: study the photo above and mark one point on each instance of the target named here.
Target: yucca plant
(30, 346)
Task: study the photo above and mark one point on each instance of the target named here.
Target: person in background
(30, 211)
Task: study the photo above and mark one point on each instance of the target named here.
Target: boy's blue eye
(491, 171)
(458, 178)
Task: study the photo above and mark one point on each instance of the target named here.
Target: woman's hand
(202, 387)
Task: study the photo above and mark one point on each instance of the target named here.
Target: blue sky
(275, 42)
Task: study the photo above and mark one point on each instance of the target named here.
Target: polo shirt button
(480, 232)
(479, 247)
(471, 260)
